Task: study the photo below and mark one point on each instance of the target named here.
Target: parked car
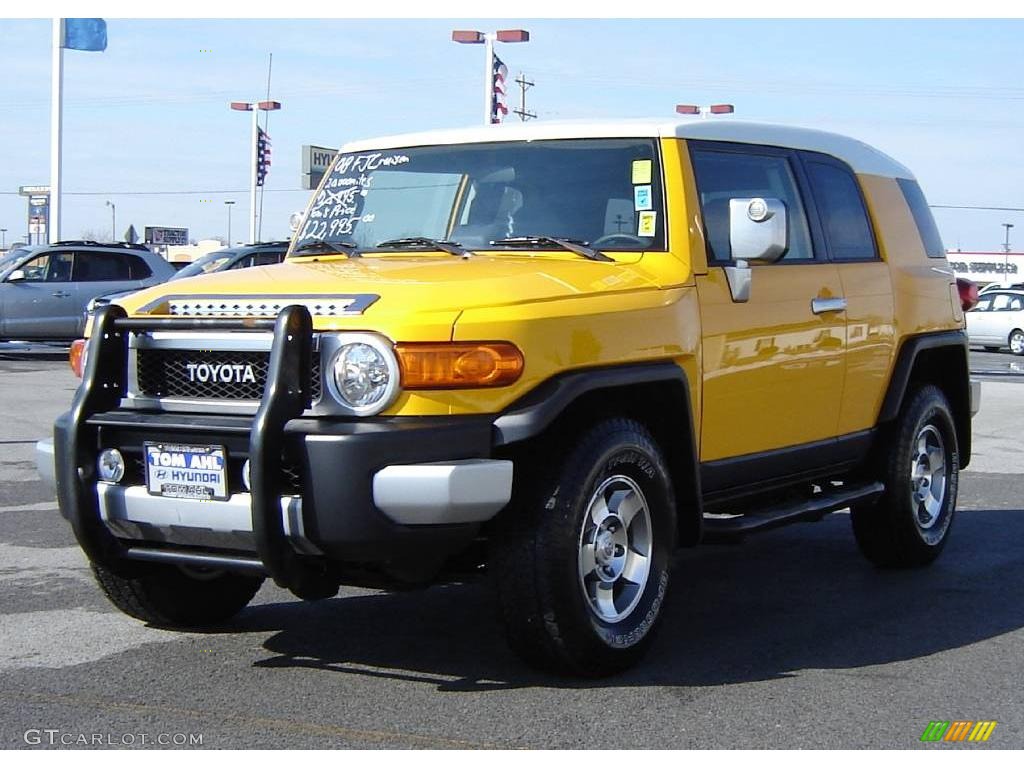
(43, 292)
(1001, 287)
(997, 321)
(243, 257)
(557, 351)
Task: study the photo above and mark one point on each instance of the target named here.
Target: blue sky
(150, 114)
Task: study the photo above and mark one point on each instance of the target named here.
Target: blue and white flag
(85, 34)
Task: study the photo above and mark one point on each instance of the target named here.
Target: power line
(978, 208)
(175, 192)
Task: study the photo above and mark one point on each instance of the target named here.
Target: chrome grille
(164, 373)
(267, 306)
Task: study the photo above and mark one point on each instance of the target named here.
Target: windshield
(211, 262)
(606, 192)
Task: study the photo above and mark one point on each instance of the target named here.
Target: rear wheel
(175, 596)
(909, 525)
(1016, 342)
(581, 560)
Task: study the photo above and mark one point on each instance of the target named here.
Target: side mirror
(757, 229)
(16, 276)
(758, 233)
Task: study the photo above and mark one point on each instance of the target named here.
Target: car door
(773, 366)
(842, 215)
(41, 305)
(1012, 322)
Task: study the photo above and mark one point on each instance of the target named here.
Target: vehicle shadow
(793, 599)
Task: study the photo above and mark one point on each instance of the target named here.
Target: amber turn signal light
(458, 365)
(76, 357)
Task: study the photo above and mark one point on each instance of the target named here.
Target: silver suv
(43, 293)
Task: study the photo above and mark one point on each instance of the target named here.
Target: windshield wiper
(569, 244)
(319, 246)
(455, 249)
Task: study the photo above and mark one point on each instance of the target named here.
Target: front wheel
(1016, 342)
(173, 596)
(581, 559)
(909, 525)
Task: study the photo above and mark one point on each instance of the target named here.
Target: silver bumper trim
(134, 505)
(45, 463)
(975, 396)
(466, 491)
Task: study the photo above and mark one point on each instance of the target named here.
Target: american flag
(262, 156)
(498, 107)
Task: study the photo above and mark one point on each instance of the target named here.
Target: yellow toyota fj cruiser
(557, 350)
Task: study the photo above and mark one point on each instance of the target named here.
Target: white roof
(858, 155)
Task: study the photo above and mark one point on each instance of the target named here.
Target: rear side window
(723, 175)
(266, 259)
(94, 267)
(923, 218)
(843, 215)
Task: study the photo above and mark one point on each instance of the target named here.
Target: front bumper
(360, 492)
(320, 491)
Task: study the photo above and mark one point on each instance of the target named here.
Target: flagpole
(56, 127)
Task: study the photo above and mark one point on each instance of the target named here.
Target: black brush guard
(286, 396)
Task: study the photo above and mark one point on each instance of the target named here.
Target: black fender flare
(532, 414)
(959, 394)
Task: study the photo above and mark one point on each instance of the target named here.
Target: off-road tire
(536, 562)
(890, 532)
(168, 596)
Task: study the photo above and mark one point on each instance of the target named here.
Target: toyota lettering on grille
(227, 373)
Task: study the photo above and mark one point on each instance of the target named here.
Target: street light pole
(229, 203)
(255, 108)
(487, 39)
(3, 239)
(113, 222)
(1006, 254)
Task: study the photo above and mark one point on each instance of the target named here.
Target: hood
(402, 284)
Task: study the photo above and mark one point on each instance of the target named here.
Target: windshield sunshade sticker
(642, 171)
(642, 197)
(647, 222)
(319, 305)
(338, 206)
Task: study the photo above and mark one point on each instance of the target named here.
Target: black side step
(235, 563)
(807, 509)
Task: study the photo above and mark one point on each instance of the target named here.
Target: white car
(998, 321)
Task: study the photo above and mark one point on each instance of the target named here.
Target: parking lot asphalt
(789, 639)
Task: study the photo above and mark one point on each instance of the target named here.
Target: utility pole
(523, 84)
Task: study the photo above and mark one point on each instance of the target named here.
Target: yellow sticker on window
(646, 223)
(642, 171)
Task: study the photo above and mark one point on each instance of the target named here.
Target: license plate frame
(186, 471)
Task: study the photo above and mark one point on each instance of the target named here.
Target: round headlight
(110, 466)
(365, 376)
